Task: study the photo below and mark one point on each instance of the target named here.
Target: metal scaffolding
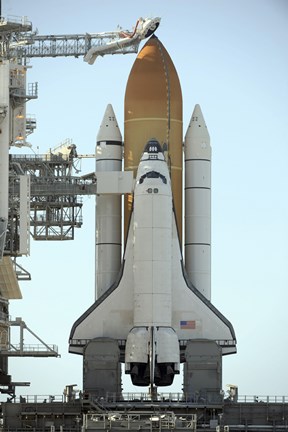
(55, 194)
(28, 44)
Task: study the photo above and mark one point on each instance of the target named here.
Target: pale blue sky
(231, 57)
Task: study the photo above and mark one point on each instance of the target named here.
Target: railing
(39, 399)
(34, 348)
(145, 397)
(21, 21)
(262, 399)
(49, 157)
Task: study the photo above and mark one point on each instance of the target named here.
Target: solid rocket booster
(153, 108)
(198, 203)
(108, 207)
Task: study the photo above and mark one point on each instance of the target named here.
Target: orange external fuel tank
(153, 109)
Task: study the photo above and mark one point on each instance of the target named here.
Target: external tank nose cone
(153, 93)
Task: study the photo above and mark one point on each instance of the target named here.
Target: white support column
(24, 228)
(4, 151)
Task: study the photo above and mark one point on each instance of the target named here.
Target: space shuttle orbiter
(150, 302)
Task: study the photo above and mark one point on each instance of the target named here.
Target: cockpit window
(153, 174)
(153, 146)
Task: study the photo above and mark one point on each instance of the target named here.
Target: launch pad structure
(171, 321)
(170, 412)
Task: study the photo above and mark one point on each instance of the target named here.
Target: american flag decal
(186, 325)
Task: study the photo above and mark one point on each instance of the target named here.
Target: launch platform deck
(136, 412)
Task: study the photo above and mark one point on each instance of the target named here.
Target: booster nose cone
(109, 129)
(197, 139)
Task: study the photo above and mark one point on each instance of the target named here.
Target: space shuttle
(150, 302)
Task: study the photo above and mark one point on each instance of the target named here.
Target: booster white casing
(108, 206)
(198, 203)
